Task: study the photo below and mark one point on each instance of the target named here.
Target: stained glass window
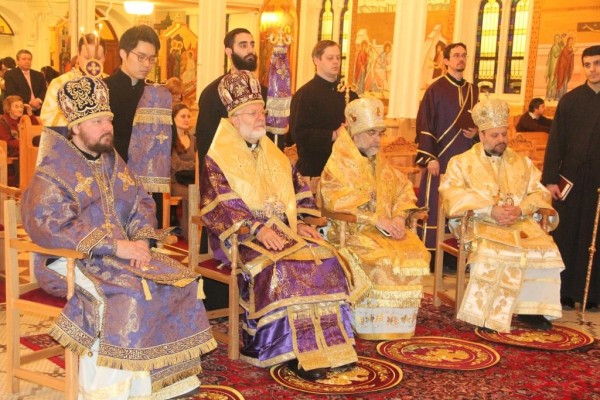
(515, 53)
(326, 21)
(488, 37)
(345, 25)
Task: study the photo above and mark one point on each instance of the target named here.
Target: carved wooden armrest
(25, 244)
(315, 221)
(345, 217)
(197, 220)
(415, 215)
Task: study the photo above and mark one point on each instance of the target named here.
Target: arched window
(345, 25)
(515, 52)
(488, 38)
(326, 21)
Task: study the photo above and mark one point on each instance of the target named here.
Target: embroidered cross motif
(84, 184)
(126, 179)
(162, 137)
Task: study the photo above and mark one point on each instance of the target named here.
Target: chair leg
(71, 375)
(461, 270)
(233, 346)
(438, 277)
(13, 359)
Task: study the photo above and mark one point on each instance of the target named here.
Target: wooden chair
(6, 193)
(401, 154)
(345, 218)
(540, 140)
(168, 202)
(30, 299)
(447, 243)
(27, 151)
(210, 268)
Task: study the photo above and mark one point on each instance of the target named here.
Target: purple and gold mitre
(363, 115)
(83, 98)
(490, 113)
(239, 88)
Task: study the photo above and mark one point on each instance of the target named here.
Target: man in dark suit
(534, 120)
(25, 82)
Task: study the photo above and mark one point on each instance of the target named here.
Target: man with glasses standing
(444, 129)
(142, 113)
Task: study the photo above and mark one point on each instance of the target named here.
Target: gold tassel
(318, 261)
(147, 293)
(200, 294)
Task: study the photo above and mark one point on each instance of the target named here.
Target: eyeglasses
(253, 114)
(457, 55)
(142, 58)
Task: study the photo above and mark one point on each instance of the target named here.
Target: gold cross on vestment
(84, 184)
(126, 179)
(162, 137)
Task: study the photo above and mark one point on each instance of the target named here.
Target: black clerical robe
(574, 151)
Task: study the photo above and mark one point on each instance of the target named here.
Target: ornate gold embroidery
(161, 137)
(84, 184)
(126, 179)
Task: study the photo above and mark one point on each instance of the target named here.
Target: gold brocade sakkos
(387, 272)
(510, 265)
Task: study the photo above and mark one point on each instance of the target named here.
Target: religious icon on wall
(178, 55)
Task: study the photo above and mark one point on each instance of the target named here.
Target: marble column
(407, 57)
(211, 26)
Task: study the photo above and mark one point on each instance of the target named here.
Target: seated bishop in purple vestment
(293, 288)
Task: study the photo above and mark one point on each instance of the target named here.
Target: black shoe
(344, 368)
(538, 322)
(311, 375)
(249, 353)
(567, 303)
(487, 330)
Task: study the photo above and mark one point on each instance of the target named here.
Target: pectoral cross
(346, 87)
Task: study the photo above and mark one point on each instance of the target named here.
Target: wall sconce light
(138, 7)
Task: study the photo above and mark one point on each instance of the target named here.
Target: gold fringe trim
(153, 116)
(159, 362)
(277, 131)
(67, 341)
(153, 184)
(177, 378)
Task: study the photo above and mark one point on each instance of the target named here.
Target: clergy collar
(324, 82)
(251, 146)
(87, 155)
(456, 81)
(126, 79)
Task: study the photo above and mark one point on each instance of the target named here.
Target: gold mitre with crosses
(363, 115)
(490, 113)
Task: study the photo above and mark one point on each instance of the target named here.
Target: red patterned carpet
(521, 373)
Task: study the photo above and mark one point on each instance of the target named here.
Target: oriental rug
(369, 375)
(440, 352)
(558, 338)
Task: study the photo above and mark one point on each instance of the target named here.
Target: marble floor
(34, 325)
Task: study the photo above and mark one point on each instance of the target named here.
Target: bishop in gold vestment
(515, 265)
(387, 265)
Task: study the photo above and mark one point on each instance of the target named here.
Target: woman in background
(14, 108)
(183, 156)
